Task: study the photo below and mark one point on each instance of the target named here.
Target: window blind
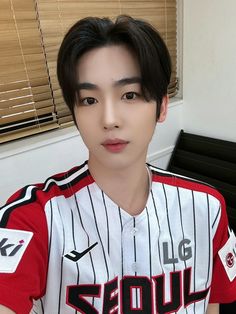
(31, 32)
(26, 104)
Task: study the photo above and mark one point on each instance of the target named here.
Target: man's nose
(111, 115)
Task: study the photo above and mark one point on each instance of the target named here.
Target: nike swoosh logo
(75, 256)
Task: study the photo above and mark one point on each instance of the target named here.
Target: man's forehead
(113, 64)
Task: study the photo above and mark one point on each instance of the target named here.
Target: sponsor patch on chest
(13, 244)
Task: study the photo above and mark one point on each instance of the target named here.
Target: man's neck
(128, 187)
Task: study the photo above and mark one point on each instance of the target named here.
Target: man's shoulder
(183, 182)
(35, 196)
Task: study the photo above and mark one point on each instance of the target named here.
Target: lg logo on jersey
(5, 247)
(184, 252)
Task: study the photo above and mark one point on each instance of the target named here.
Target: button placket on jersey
(129, 232)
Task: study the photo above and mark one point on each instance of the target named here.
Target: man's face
(114, 120)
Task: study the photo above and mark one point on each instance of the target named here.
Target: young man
(114, 235)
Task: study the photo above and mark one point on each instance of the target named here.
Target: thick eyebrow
(128, 80)
(121, 82)
(86, 85)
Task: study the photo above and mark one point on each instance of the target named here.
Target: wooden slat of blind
(14, 102)
(26, 127)
(65, 120)
(60, 105)
(21, 97)
(23, 84)
(39, 126)
(23, 115)
(10, 103)
(28, 123)
(25, 94)
(13, 85)
(26, 107)
(14, 93)
(43, 96)
(64, 111)
(57, 16)
(29, 131)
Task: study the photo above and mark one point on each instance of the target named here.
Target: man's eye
(130, 96)
(88, 101)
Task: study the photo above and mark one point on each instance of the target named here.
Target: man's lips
(114, 142)
(115, 145)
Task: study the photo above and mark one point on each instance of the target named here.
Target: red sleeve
(28, 282)
(222, 289)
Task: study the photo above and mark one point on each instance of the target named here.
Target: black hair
(138, 35)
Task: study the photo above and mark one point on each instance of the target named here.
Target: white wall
(34, 159)
(209, 68)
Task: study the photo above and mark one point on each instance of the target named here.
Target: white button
(134, 230)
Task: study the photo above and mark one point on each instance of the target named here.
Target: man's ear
(163, 109)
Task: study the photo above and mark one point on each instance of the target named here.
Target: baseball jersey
(68, 248)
